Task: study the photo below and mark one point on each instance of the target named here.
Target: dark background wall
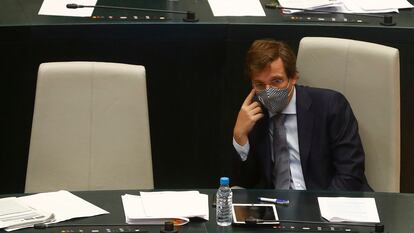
(195, 86)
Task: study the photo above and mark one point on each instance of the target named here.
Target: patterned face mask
(274, 99)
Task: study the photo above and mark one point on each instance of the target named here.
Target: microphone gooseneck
(190, 16)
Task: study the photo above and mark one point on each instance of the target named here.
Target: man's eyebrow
(277, 76)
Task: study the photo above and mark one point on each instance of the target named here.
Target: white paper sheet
(63, 204)
(377, 5)
(351, 6)
(179, 204)
(349, 209)
(133, 206)
(58, 8)
(14, 214)
(135, 213)
(236, 8)
(10, 205)
(308, 4)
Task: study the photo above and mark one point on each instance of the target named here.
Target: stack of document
(349, 209)
(16, 214)
(155, 208)
(347, 6)
(51, 207)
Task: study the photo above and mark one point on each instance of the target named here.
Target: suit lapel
(305, 125)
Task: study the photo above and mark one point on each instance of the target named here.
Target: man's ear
(295, 78)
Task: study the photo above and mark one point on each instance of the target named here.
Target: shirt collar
(291, 107)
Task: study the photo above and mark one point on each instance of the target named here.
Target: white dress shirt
(291, 125)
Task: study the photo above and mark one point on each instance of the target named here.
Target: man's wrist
(241, 139)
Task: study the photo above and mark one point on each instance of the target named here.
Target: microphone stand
(190, 15)
(387, 19)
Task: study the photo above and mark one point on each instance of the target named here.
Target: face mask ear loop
(291, 90)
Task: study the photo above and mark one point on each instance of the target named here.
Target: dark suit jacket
(330, 148)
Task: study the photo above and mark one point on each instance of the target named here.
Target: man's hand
(249, 114)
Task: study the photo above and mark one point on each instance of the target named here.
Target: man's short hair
(263, 52)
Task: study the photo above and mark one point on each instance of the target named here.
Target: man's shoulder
(319, 94)
(321, 100)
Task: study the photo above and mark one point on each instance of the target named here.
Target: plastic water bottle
(224, 203)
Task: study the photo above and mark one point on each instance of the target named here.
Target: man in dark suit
(289, 136)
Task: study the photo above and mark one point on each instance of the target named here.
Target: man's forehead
(272, 71)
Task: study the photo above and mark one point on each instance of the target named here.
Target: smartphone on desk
(260, 214)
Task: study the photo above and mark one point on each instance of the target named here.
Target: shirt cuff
(243, 151)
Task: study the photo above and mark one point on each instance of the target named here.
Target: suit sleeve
(250, 173)
(244, 173)
(347, 152)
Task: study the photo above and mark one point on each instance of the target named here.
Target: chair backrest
(90, 128)
(368, 75)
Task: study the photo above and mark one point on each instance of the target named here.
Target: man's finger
(253, 105)
(249, 98)
(257, 117)
(256, 110)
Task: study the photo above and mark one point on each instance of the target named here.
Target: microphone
(387, 19)
(190, 15)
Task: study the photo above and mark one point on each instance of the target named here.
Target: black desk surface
(396, 210)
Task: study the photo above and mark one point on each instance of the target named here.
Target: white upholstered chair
(368, 75)
(90, 128)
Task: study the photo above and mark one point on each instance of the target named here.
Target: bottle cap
(224, 181)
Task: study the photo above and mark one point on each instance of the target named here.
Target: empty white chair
(368, 75)
(90, 128)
